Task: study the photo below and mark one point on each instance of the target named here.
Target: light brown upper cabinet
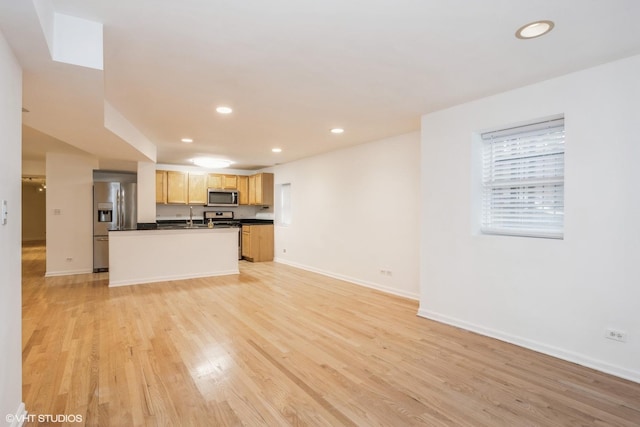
(214, 180)
(224, 182)
(177, 187)
(261, 189)
(161, 186)
(181, 188)
(197, 188)
(243, 190)
(230, 182)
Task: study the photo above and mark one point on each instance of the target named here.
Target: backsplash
(169, 212)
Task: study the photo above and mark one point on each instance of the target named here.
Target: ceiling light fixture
(211, 163)
(534, 29)
(224, 110)
(277, 150)
(187, 140)
(337, 130)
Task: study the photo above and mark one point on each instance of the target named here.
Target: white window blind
(523, 180)
(284, 216)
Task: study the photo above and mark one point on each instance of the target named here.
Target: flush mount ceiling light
(224, 110)
(211, 163)
(187, 140)
(337, 130)
(276, 150)
(534, 29)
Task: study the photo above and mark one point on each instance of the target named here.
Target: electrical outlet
(616, 335)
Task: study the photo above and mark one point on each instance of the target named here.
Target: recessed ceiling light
(211, 163)
(277, 150)
(534, 29)
(337, 130)
(187, 140)
(224, 110)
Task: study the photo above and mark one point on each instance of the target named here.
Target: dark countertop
(197, 224)
(253, 221)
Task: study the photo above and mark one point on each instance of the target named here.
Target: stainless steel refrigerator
(114, 208)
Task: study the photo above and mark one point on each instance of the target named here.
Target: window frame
(522, 180)
(284, 213)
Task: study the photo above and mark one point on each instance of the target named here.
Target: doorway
(34, 209)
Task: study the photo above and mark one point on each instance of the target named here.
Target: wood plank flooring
(279, 346)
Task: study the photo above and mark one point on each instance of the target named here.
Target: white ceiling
(293, 69)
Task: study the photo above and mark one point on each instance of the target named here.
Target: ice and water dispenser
(105, 212)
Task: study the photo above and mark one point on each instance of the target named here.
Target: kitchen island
(145, 256)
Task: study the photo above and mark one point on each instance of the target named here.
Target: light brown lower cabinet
(257, 242)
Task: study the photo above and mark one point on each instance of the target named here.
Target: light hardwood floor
(279, 346)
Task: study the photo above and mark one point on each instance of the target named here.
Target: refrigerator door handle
(120, 209)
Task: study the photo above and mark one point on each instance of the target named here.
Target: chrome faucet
(190, 216)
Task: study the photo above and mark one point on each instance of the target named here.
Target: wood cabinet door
(266, 189)
(258, 189)
(161, 187)
(261, 189)
(177, 187)
(246, 242)
(252, 190)
(266, 243)
(230, 182)
(243, 190)
(214, 180)
(197, 189)
(257, 242)
(222, 182)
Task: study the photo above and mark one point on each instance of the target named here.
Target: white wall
(356, 212)
(33, 168)
(69, 213)
(146, 192)
(555, 296)
(10, 251)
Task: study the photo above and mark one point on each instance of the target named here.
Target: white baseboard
(18, 419)
(353, 280)
(559, 353)
(67, 272)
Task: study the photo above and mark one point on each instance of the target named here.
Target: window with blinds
(283, 203)
(523, 180)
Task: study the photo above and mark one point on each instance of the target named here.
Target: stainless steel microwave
(217, 197)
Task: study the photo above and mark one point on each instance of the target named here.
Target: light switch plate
(4, 212)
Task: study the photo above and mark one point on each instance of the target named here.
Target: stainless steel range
(224, 219)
